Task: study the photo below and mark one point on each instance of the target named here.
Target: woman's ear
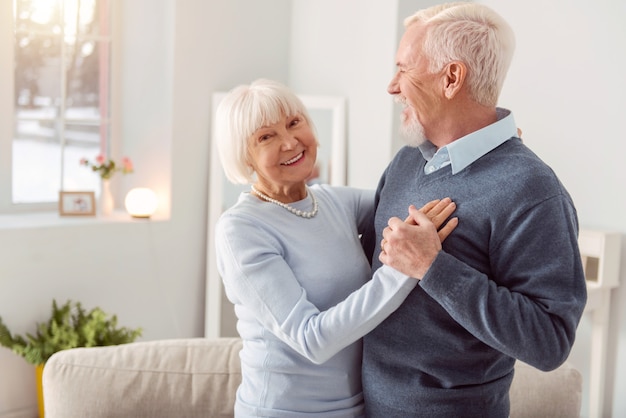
(454, 78)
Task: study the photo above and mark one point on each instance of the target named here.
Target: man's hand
(412, 245)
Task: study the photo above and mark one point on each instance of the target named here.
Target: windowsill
(53, 219)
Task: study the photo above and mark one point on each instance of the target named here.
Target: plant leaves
(69, 326)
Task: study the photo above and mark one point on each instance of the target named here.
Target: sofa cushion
(166, 378)
(197, 377)
(554, 394)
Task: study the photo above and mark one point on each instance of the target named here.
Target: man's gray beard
(412, 132)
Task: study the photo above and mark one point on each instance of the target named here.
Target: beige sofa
(198, 377)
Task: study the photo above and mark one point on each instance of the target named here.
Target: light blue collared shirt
(469, 148)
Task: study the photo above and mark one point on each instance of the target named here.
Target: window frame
(8, 117)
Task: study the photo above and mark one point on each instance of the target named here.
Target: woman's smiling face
(283, 154)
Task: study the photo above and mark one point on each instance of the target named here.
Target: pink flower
(106, 168)
(127, 164)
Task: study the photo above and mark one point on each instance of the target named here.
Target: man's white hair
(473, 34)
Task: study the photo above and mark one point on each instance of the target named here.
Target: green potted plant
(69, 326)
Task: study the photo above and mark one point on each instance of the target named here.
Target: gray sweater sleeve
(532, 310)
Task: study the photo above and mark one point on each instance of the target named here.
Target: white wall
(346, 48)
(567, 94)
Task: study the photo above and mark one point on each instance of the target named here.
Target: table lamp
(141, 202)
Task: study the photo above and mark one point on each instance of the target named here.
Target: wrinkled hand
(438, 211)
(412, 245)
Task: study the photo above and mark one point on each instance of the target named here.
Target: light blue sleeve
(359, 202)
(257, 277)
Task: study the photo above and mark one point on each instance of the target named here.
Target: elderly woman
(292, 262)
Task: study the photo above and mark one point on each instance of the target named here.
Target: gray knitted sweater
(508, 285)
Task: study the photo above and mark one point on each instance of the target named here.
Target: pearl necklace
(293, 210)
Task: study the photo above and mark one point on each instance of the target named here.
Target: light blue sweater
(302, 307)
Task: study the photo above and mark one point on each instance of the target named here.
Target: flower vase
(105, 202)
(39, 385)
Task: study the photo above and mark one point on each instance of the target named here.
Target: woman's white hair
(244, 110)
(473, 34)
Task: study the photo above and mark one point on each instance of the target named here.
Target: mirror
(329, 117)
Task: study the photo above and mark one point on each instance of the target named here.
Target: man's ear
(454, 78)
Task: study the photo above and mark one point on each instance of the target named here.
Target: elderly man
(508, 283)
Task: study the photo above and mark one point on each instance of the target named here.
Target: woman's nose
(289, 141)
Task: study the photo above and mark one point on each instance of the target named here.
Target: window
(61, 57)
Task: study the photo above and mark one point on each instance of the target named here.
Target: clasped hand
(411, 246)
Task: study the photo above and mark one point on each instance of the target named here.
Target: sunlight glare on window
(41, 11)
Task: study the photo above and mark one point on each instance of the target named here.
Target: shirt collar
(465, 150)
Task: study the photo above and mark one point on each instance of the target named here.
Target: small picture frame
(77, 204)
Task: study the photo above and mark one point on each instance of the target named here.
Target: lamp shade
(141, 202)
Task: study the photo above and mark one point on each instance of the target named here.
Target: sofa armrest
(557, 393)
(167, 378)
